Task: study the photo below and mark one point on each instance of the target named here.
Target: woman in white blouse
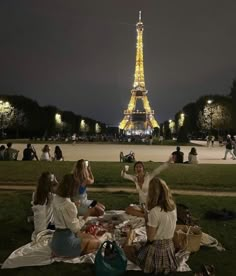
(157, 254)
(141, 180)
(67, 240)
(46, 156)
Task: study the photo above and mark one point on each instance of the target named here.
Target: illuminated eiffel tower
(138, 121)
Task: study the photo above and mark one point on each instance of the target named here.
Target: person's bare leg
(89, 244)
(130, 253)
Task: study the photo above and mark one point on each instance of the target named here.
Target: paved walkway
(111, 152)
(123, 189)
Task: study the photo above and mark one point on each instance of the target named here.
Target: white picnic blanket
(38, 252)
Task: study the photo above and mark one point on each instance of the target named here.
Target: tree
(6, 115)
(215, 115)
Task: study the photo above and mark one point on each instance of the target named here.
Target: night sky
(80, 55)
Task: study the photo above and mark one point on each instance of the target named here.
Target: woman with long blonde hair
(157, 255)
(83, 176)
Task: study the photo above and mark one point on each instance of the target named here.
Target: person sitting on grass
(42, 203)
(192, 156)
(46, 156)
(10, 154)
(67, 240)
(157, 254)
(141, 180)
(130, 157)
(83, 176)
(29, 153)
(177, 156)
(58, 156)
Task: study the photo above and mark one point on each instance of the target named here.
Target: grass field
(15, 207)
(218, 177)
(15, 232)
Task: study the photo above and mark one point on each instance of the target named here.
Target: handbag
(187, 238)
(110, 260)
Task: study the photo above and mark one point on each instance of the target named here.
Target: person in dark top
(2, 149)
(178, 156)
(29, 153)
(229, 147)
(58, 156)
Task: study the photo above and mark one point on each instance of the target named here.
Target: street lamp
(209, 102)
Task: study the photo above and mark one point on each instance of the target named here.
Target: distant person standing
(178, 156)
(208, 139)
(73, 138)
(229, 147)
(2, 149)
(150, 140)
(29, 153)
(10, 154)
(212, 140)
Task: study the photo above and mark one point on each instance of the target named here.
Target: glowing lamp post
(209, 102)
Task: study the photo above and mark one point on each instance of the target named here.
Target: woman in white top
(157, 255)
(46, 156)
(141, 180)
(42, 203)
(67, 240)
(192, 156)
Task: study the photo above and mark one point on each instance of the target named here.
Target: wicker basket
(187, 238)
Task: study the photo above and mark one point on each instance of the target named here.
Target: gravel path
(111, 152)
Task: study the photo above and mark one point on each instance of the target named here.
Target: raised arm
(90, 178)
(127, 176)
(158, 170)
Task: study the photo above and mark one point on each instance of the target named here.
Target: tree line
(24, 117)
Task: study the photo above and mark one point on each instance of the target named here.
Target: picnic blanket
(38, 252)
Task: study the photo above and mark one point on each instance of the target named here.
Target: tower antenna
(140, 16)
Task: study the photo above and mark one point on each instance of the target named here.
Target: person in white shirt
(157, 254)
(141, 180)
(192, 156)
(46, 156)
(67, 239)
(42, 203)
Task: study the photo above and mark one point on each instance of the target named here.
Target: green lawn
(15, 232)
(218, 177)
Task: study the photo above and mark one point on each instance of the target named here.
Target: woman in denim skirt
(67, 240)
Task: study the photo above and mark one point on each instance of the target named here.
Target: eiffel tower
(138, 121)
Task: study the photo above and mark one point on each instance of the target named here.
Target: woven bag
(187, 238)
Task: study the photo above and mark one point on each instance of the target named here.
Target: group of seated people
(8, 153)
(66, 206)
(46, 154)
(29, 153)
(178, 156)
